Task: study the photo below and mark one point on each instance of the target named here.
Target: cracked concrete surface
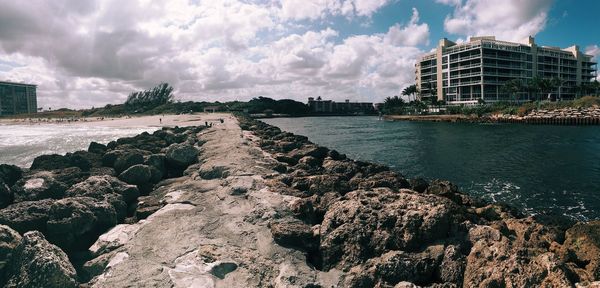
(212, 232)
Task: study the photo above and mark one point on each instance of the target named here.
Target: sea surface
(539, 169)
(20, 144)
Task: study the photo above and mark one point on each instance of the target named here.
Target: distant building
(321, 106)
(17, 98)
(468, 72)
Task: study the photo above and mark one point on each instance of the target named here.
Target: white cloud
(92, 53)
(507, 20)
(412, 34)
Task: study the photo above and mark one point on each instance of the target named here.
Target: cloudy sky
(95, 52)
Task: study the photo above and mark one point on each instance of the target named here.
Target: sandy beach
(195, 119)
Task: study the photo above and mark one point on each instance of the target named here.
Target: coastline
(565, 116)
(260, 206)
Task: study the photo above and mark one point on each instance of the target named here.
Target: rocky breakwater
(51, 213)
(379, 229)
(563, 116)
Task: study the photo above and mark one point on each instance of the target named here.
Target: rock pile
(384, 230)
(63, 203)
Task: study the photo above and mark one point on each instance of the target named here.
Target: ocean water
(553, 169)
(20, 144)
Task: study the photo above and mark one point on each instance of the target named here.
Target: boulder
(181, 155)
(99, 186)
(97, 148)
(387, 179)
(9, 240)
(128, 159)
(497, 261)
(10, 174)
(582, 245)
(418, 184)
(82, 160)
(137, 174)
(345, 168)
(40, 185)
(320, 184)
(285, 159)
(37, 263)
(50, 162)
(366, 224)
(85, 160)
(394, 267)
(70, 176)
(6, 195)
(309, 161)
(294, 234)
(76, 222)
(316, 151)
(27, 216)
(157, 161)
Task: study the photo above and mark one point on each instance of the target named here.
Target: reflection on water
(536, 168)
(20, 144)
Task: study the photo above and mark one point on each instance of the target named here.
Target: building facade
(17, 98)
(469, 72)
(331, 107)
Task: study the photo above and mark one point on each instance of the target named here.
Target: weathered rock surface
(10, 174)
(582, 246)
(37, 263)
(6, 195)
(9, 240)
(41, 185)
(76, 222)
(365, 224)
(137, 175)
(181, 155)
(128, 159)
(27, 216)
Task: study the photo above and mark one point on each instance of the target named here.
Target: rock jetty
(244, 204)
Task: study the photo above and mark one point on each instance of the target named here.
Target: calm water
(535, 168)
(20, 144)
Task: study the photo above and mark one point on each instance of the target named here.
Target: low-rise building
(17, 98)
(320, 106)
(469, 72)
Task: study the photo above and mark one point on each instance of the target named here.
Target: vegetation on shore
(160, 100)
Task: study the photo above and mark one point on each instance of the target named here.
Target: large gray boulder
(9, 240)
(27, 216)
(366, 224)
(127, 160)
(10, 174)
(137, 175)
(76, 222)
(6, 195)
(37, 263)
(99, 186)
(181, 155)
(40, 185)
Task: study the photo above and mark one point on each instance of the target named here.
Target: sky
(95, 52)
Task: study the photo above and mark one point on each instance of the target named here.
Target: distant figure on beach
(206, 123)
(221, 120)
(160, 120)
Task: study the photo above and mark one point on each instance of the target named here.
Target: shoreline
(259, 206)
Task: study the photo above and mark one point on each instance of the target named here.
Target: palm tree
(512, 87)
(410, 91)
(557, 83)
(547, 86)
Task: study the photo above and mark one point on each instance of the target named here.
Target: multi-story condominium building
(469, 72)
(17, 98)
(328, 106)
